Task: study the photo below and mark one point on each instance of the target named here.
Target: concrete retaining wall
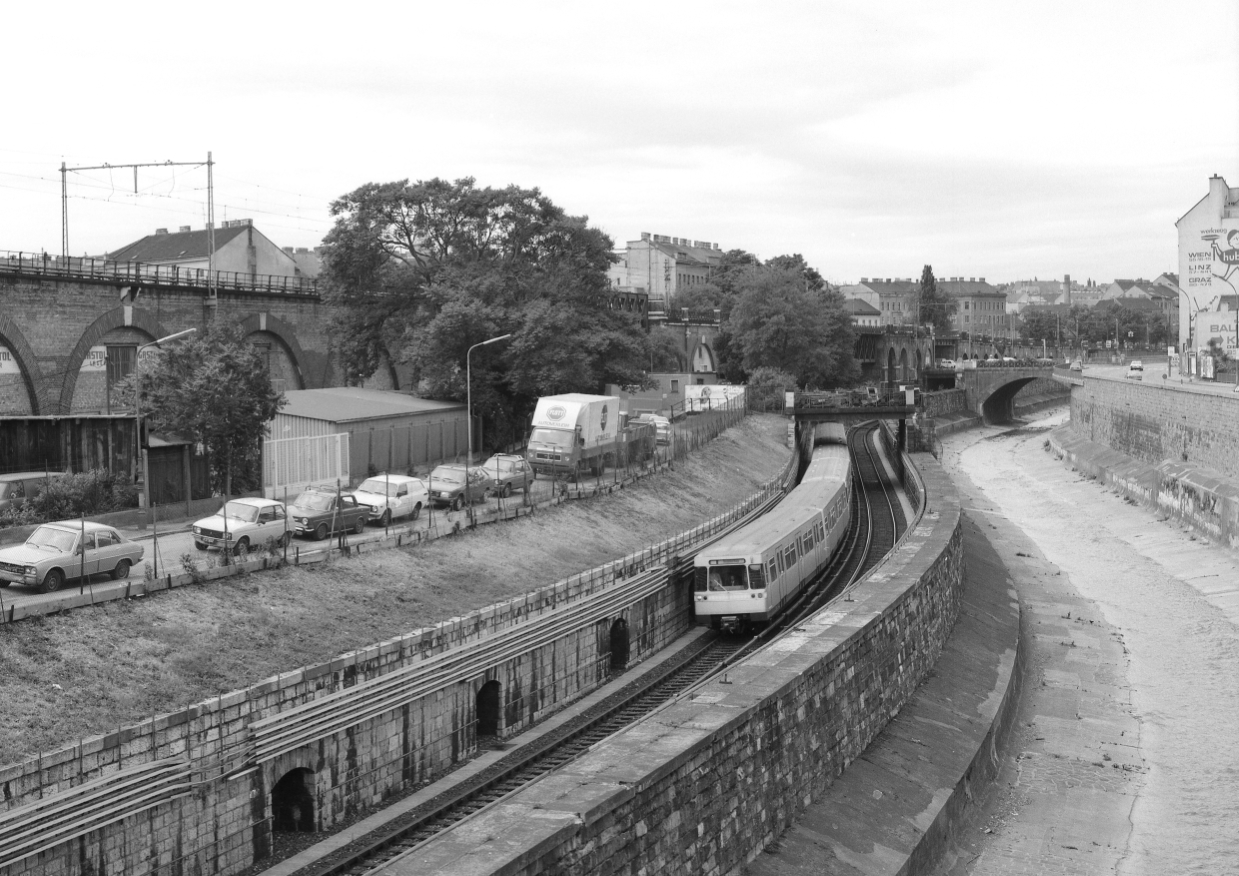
(1201, 498)
(706, 783)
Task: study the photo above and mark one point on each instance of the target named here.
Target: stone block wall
(944, 401)
(1154, 423)
(703, 785)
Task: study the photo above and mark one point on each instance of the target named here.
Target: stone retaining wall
(704, 784)
(1153, 423)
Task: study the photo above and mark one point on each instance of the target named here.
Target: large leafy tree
(780, 321)
(213, 387)
(419, 272)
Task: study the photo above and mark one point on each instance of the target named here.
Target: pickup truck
(508, 472)
(321, 511)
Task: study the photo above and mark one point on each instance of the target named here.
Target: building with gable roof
(240, 248)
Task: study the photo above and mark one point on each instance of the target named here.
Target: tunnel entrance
(619, 645)
(488, 709)
(292, 802)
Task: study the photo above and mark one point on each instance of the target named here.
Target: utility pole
(64, 199)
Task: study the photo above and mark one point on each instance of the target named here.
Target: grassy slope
(124, 661)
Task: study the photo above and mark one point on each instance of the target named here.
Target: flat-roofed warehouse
(347, 432)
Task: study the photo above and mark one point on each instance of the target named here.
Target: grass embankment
(92, 670)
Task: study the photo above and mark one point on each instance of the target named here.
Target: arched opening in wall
(488, 709)
(890, 367)
(278, 360)
(999, 407)
(620, 645)
(292, 802)
(903, 366)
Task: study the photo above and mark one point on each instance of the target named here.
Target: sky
(997, 140)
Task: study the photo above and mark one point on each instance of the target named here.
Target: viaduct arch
(24, 358)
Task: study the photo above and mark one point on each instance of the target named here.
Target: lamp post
(469, 407)
(144, 498)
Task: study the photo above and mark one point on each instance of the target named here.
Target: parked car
(19, 487)
(242, 525)
(323, 510)
(1135, 370)
(948, 364)
(1077, 365)
(388, 496)
(508, 472)
(662, 429)
(56, 552)
(447, 486)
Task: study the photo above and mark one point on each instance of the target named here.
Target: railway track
(878, 523)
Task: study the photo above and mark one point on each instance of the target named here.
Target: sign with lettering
(8, 364)
(96, 359)
(1217, 329)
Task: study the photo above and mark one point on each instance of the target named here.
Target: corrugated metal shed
(387, 429)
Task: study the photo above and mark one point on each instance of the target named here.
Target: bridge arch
(120, 317)
(12, 338)
(999, 405)
(266, 324)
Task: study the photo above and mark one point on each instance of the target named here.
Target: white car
(243, 525)
(1135, 370)
(391, 496)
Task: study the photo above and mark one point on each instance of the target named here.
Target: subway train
(746, 578)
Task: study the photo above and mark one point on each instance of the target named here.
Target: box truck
(575, 432)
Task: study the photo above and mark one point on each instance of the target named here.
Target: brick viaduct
(50, 324)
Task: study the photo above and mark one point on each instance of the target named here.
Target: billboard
(1219, 327)
(8, 363)
(1208, 260)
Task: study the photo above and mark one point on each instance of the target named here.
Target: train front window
(728, 578)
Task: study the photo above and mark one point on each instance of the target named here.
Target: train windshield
(723, 578)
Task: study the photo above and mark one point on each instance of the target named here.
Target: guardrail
(45, 265)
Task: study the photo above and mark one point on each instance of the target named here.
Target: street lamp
(144, 498)
(469, 406)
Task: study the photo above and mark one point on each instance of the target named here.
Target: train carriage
(749, 576)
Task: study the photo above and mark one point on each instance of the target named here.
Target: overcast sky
(987, 139)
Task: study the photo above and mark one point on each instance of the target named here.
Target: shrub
(90, 492)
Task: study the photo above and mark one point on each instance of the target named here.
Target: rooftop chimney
(161, 231)
(183, 229)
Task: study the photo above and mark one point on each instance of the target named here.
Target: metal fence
(43, 264)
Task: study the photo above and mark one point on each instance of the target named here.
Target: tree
(935, 307)
(417, 273)
(779, 323)
(766, 387)
(215, 388)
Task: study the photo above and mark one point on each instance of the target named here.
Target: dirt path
(93, 670)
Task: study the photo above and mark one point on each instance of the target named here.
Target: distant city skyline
(983, 139)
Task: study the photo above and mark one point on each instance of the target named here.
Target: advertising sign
(8, 365)
(1218, 327)
(96, 359)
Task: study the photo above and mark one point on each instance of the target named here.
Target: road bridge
(990, 385)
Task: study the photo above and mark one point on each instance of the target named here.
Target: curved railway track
(877, 525)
